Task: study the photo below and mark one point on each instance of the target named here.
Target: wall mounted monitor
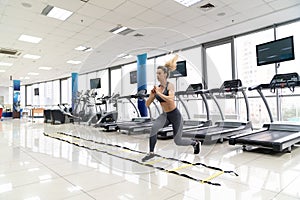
(95, 83)
(180, 70)
(36, 92)
(133, 77)
(276, 51)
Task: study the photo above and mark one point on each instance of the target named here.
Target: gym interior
(75, 76)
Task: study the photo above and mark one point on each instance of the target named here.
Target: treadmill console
(289, 80)
(194, 87)
(231, 85)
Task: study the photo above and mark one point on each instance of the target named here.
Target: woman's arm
(151, 97)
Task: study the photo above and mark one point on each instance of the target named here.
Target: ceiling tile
(168, 8)
(81, 19)
(167, 22)
(115, 18)
(93, 11)
(201, 21)
(279, 4)
(109, 5)
(150, 16)
(186, 14)
(248, 6)
(259, 11)
(126, 6)
(147, 3)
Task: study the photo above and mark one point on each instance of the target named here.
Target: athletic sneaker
(197, 147)
(148, 157)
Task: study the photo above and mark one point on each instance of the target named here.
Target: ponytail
(169, 66)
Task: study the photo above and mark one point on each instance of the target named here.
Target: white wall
(7, 93)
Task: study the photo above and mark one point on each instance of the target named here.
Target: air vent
(125, 32)
(121, 30)
(138, 35)
(207, 7)
(9, 51)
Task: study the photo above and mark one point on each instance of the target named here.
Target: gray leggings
(174, 118)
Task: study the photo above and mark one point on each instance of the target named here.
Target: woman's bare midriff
(168, 106)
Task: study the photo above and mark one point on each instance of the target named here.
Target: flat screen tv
(133, 77)
(36, 92)
(276, 51)
(180, 70)
(95, 83)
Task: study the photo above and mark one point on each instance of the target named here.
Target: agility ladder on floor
(62, 137)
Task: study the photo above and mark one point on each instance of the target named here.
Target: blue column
(142, 82)
(74, 89)
(16, 98)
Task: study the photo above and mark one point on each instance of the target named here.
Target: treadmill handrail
(227, 90)
(260, 86)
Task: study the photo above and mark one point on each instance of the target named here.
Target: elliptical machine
(107, 116)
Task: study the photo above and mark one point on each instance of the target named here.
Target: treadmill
(167, 132)
(277, 136)
(223, 129)
(138, 124)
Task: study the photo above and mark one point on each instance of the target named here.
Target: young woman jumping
(164, 93)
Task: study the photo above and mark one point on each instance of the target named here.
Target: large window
(219, 68)
(219, 65)
(29, 95)
(289, 106)
(56, 92)
(115, 81)
(251, 74)
(66, 91)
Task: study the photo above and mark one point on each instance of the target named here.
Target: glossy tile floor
(34, 167)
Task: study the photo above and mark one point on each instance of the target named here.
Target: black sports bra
(165, 92)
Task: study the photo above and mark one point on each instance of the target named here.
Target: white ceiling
(165, 24)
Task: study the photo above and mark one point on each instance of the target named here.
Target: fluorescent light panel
(127, 56)
(6, 64)
(124, 55)
(30, 56)
(74, 62)
(187, 3)
(57, 13)
(123, 28)
(83, 48)
(28, 38)
(1, 70)
(45, 68)
(33, 73)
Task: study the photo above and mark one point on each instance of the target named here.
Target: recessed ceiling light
(45, 68)
(74, 62)
(6, 64)
(187, 3)
(26, 77)
(33, 73)
(83, 48)
(124, 55)
(121, 55)
(127, 56)
(28, 38)
(1, 70)
(30, 56)
(57, 13)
